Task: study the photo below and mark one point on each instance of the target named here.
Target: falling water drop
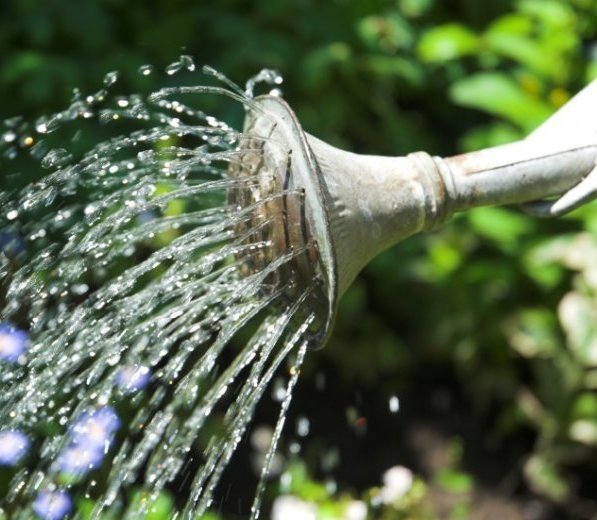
(9, 137)
(110, 78)
(394, 404)
(13, 122)
(56, 158)
(173, 68)
(145, 70)
(41, 125)
(187, 62)
(184, 62)
(268, 76)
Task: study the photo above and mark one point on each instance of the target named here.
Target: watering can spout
(355, 206)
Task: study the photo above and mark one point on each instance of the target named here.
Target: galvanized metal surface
(358, 205)
(559, 158)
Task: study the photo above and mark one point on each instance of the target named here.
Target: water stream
(134, 347)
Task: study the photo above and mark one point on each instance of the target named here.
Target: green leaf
(498, 94)
(584, 431)
(415, 8)
(209, 516)
(578, 315)
(585, 406)
(512, 25)
(447, 42)
(500, 225)
(544, 477)
(396, 67)
(533, 333)
(552, 13)
(161, 509)
(158, 509)
(525, 50)
(455, 481)
(494, 134)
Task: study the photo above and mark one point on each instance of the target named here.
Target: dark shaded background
(465, 326)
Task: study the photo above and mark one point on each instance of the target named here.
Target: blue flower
(14, 445)
(95, 429)
(147, 215)
(13, 343)
(11, 243)
(53, 505)
(77, 460)
(132, 378)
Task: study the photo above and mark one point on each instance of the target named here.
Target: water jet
(155, 284)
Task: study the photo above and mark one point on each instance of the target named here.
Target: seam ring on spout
(437, 184)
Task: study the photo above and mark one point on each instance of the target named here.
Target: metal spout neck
(353, 206)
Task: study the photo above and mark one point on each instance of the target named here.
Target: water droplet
(303, 426)
(210, 71)
(145, 70)
(41, 126)
(45, 125)
(173, 68)
(187, 62)
(146, 156)
(278, 390)
(56, 158)
(110, 78)
(11, 153)
(268, 76)
(394, 404)
(9, 137)
(80, 289)
(13, 122)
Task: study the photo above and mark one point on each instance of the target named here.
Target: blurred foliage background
(482, 337)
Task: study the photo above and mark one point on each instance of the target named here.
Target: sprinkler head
(289, 214)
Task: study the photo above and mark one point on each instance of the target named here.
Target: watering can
(351, 207)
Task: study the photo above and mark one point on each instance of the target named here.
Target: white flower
(288, 507)
(397, 482)
(356, 510)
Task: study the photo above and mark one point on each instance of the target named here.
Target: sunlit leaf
(578, 315)
(500, 225)
(447, 42)
(455, 481)
(544, 477)
(498, 94)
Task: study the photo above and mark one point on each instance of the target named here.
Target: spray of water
(135, 341)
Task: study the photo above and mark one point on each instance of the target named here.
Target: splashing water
(137, 347)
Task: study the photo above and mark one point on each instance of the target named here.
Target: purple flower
(78, 460)
(132, 378)
(14, 445)
(53, 505)
(13, 343)
(95, 429)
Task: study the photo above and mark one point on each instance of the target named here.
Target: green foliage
(501, 305)
(448, 42)
(499, 95)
